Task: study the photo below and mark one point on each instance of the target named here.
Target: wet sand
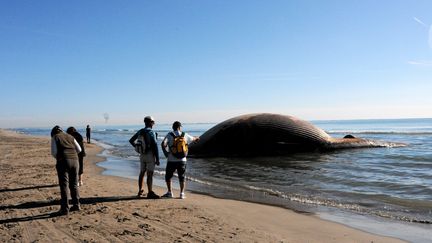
(29, 199)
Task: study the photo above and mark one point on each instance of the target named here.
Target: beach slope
(29, 198)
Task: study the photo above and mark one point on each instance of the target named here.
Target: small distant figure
(72, 131)
(175, 148)
(65, 149)
(88, 133)
(145, 143)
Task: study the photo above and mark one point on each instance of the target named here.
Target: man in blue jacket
(145, 143)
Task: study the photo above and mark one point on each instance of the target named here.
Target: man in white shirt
(176, 153)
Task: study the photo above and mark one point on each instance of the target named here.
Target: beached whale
(272, 134)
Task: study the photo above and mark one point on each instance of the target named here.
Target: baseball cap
(148, 119)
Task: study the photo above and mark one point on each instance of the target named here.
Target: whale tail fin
(353, 142)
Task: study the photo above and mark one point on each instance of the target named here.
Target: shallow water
(393, 183)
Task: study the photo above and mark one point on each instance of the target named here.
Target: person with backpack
(65, 149)
(72, 131)
(145, 143)
(175, 148)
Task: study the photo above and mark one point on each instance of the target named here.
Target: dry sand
(29, 195)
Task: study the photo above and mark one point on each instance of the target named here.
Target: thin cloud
(419, 21)
(430, 37)
(45, 33)
(22, 29)
(421, 63)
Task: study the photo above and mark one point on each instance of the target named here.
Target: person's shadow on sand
(27, 188)
(38, 204)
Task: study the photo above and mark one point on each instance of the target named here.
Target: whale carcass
(272, 134)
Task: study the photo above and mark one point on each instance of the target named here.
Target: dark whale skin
(267, 134)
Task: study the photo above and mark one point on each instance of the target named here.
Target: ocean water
(380, 190)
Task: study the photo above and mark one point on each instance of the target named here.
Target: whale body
(272, 134)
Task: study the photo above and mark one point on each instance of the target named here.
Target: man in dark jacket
(72, 131)
(88, 133)
(65, 149)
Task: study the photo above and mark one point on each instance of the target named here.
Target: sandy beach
(29, 199)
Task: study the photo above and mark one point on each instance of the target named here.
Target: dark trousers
(67, 171)
(81, 164)
(172, 167)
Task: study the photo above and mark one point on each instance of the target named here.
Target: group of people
(68, 150)
(145, 143)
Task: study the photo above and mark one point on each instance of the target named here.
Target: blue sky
(68, 63)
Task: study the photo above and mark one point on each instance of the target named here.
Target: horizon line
(164, 123)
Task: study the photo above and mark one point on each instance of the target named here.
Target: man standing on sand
(88, 133)
(177, 142)
(145, 143)
(65, 149)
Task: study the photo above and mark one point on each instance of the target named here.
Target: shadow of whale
(272, 134)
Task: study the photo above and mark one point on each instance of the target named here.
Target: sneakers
(168, 195)
(152, 195)
(75, 208)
